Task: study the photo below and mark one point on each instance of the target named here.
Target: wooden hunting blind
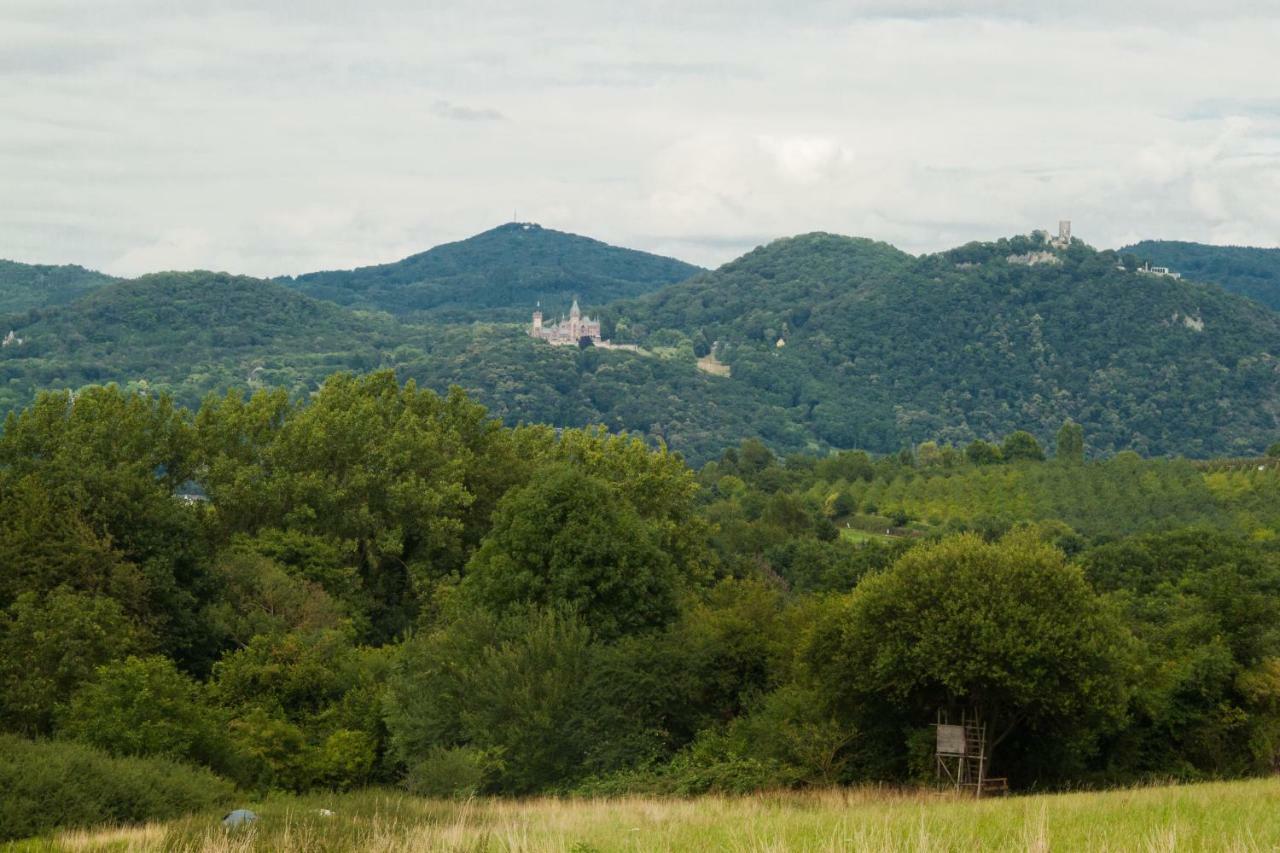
(961, 756)
(950, 740)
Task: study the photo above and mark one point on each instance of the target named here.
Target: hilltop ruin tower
(1063, 238)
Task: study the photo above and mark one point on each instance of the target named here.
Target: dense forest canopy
(383, 584)
(1245, 270)
(499, 275)
(864, 346)
(24, 287)
(190, 333)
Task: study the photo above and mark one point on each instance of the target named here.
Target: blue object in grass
(239, 817)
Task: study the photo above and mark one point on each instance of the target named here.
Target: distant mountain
(830, 342)
(764, 293)
(497, 275)
(1250, 272)
(27, 286)
(190, 333)
(865, 346)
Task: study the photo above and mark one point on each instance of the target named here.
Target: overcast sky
(269, 138)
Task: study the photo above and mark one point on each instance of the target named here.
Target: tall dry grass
(1234, 816)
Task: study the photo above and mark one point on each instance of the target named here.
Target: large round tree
(572, 540)
(1007, 631)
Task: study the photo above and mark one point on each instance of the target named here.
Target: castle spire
(575, 312)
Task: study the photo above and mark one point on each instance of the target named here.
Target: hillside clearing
(1217, 816)
(854, 534)
(710, 364)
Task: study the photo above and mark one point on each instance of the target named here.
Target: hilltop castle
(1062, 241)
(568, 332)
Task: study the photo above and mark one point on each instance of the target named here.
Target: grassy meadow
(1211, 816)
(855, 535)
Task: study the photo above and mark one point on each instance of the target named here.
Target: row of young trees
(383, 585)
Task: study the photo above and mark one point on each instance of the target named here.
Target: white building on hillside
(566, 332)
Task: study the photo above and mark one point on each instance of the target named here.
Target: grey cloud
(1218, 108)
(702, 245)
(63, 58)
(640, 73)
(220, 135)
(457, 112)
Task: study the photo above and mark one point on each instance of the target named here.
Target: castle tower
(537, 322)
(1064, 231)
(575, 320)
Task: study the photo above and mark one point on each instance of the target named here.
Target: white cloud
(808, 159)
(174, 249)
(288, 136)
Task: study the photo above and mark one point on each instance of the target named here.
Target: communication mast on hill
(961, 756)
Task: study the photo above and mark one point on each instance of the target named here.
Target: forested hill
(498, 275)
(867, 347)
(190, 333)
(759, 296)
(27, 286)
(1245, 270)
(831, 342)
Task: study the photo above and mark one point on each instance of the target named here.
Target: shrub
(144, 706)
(50, 784)
(345, 760)
(513, 688)
(711, 764)
(274, 752)
(457, 772)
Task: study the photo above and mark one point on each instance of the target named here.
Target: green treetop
(1007, 631)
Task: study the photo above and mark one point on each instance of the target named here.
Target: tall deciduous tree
(1006, 630)
(569, 539)
(95, 474)
(404, 478)
(1070, 443)
(981, 452)
(49, 647)
(509, 689)
(1021, 445)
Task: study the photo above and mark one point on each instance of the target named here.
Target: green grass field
(855, 535)
(1215, 816)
